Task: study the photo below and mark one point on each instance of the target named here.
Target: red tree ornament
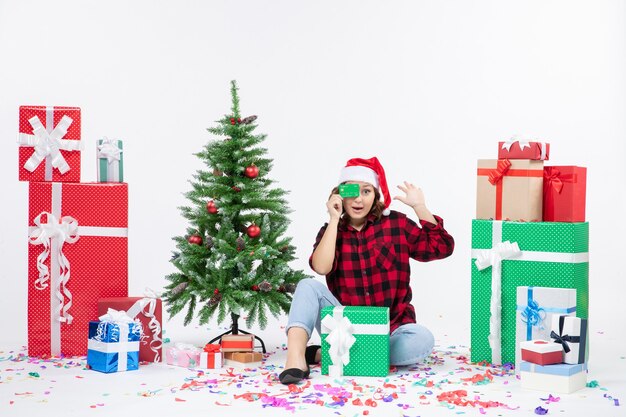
(211, 207)
(195, 240)
(255, 288)
(252, 171)
(253, 231)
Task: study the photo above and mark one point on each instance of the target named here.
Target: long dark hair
(376, 210)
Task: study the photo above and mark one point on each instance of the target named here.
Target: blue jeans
(409, 343)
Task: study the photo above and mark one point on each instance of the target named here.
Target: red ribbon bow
(496, 175)
(210, 348)
(553, 179)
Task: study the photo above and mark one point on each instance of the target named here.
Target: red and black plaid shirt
(371, 266)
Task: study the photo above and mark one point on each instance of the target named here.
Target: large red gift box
(78, 254)
(516, 149)
(564, 194)
(49, 139)
(149, 311)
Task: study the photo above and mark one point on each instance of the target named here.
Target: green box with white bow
(506, 255)
(355, 341)
(110, 159)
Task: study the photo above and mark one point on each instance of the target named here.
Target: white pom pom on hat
(370, 171)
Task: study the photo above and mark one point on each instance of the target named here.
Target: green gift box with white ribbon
(506, 255)
(110, 158)
(355, 341)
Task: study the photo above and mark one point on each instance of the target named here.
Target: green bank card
(349, 190)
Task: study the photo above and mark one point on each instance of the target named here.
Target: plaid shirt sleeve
(429, 242)
(320, 234)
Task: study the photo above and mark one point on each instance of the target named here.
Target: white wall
(427, 86)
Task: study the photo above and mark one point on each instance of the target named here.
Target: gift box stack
(234, 350)
(78, 252)
(239, 351)
(529, 232)
(557, 364)
(355, 341)
(190, 356)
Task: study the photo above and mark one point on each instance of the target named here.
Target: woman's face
(359, 207)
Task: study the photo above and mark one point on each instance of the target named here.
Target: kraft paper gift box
(506, 255)
(243, 359)
(541, 352)
(78, 254)
(49, 143)
(237, 343)
(516, 149)
(183, 354)
(355, 341)
(564, 193)
(210, 357)
(509, 189)
(535, 308)
(114, 343)
(110, 160)
(562, 378)
(149, 311)
(571, 333)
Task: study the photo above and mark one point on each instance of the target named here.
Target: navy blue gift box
(113, 347)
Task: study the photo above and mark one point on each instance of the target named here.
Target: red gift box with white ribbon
(520, 149)
(78, 254)
(541, 352)
(49, 143)
(149, 311)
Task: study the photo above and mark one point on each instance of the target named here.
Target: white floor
(65, 388)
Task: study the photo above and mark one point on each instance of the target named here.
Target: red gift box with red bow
(564, 193)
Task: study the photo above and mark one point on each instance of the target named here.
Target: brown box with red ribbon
(78, 254)
(564, 193)
(49, 141)
(238, 343)
(517, 149)
(148, 310)
(509, 190)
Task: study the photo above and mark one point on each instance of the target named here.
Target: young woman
(364, 252)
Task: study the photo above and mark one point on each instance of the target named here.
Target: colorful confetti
(447, 379)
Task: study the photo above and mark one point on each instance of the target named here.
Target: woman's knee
(309, 284)
(411, 344)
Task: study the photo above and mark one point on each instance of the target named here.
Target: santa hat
(370, 171)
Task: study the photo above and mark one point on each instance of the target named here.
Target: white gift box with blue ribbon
(535, 308)
(562, 378)
(113, 344)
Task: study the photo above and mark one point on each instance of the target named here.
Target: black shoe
(309, 354)
(293, 375)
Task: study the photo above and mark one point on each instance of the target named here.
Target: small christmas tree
(234, 258)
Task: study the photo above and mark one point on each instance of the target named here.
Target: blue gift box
(113, 347)
(560, 369)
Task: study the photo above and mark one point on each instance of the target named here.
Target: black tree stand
(234, 329)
